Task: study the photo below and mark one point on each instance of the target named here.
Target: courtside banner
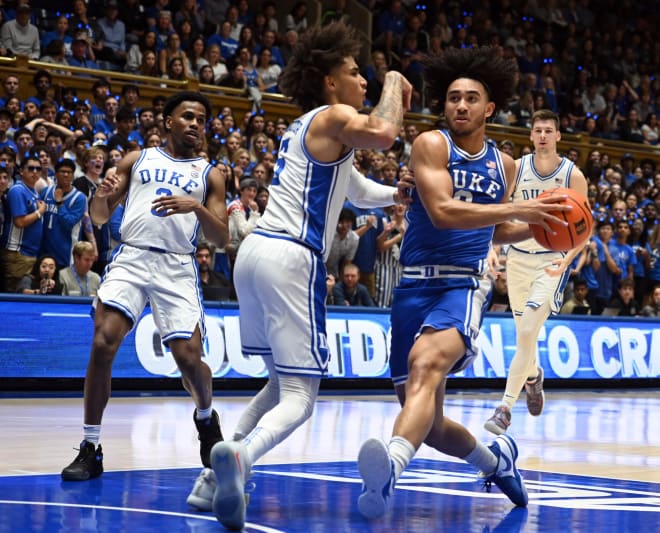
(51, 338)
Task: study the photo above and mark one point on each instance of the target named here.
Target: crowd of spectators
(597, 68)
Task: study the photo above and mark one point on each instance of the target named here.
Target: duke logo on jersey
(474, 182)
(169, 177)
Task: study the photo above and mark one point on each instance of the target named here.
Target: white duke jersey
(530, 184)
(155, 174)
(476, 178)
(306, 195)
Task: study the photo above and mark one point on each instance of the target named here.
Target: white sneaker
(201, 495)
(231, 467)
(377, 472)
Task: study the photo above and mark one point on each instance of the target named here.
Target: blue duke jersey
(155, 174)
(477, 178)
(530, 184)
(306, 195)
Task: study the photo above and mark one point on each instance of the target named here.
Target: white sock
(401, 452)
(482, 458)
(203, 414)
(92, 433)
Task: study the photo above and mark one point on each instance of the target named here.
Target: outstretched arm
(366, 193)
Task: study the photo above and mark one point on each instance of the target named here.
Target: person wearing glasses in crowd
(21, 237)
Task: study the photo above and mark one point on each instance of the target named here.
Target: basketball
(580, 222)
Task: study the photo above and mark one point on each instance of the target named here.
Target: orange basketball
(579, 220)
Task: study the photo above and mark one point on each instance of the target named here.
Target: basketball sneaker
(201, 495)
(377, 473)
(209, 433)
(534, 394)
(506, 476)
(500, 421)
(87, 465)
(232, 469)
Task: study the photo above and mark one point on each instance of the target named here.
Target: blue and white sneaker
(230, 464)
(201, 495)
(506, 475)
(377, 472)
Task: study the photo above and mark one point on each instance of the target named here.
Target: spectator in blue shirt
(391, 26)
(228, 45)
(21, 238)
(65, 208)
(79, 55)
(113, 53)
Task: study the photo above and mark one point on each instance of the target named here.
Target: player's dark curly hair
(498, 75)
(319, 50)
(186, 96)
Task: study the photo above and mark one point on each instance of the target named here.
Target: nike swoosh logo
(507, 469)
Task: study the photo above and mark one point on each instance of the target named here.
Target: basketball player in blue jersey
(536, 277)
(170, 192)
(279, 275)
(463, 184)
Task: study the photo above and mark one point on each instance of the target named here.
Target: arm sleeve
(365, 193)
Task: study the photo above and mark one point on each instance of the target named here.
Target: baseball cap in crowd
(506, 142)
(23, 7)
(248, 182)
(628, 155)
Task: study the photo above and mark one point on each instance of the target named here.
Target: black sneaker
(88, 464)
(209, 434)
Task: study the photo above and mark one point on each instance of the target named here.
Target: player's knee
(307, 407)
(187, 361)
(528, 329)
(424, 366)
(104, 347)
(304, 405)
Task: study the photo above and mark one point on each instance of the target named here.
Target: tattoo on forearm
(390, 106)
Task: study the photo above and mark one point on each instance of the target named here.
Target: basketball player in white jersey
(280, 276)
(536, 277)
(171, 192)
(463, 184)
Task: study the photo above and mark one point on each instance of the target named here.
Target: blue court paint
(321, 497)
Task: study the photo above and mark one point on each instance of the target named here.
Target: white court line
(257, 527)
(67, 315)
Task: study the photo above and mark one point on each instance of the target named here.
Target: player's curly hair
(319, 50)
(177, 99)
(498, 75)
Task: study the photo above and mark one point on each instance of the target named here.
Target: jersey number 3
(161, 192)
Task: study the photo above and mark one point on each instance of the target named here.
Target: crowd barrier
(50, 337)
